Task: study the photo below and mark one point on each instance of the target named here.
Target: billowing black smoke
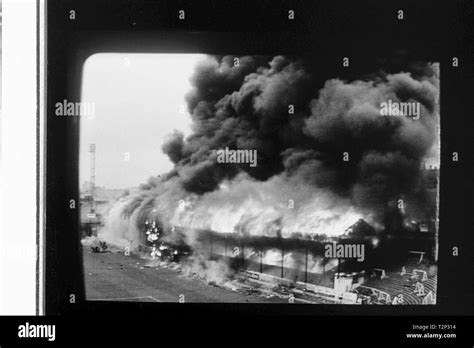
(302, 130)
(326, 159)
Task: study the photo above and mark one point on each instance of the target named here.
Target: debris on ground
(101, 248)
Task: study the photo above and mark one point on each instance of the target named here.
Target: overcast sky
(139, 100)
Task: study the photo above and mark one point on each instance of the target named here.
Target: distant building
(101, 193)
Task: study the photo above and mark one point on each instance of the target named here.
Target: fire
(300, 188)
(276, 208)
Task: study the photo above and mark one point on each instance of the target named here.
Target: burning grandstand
(332, 171)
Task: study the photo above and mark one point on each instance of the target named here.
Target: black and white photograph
(236, 171)
(223, 178)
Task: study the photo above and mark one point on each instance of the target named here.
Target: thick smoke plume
(301, 130)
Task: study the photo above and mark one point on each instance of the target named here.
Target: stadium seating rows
(395, 283)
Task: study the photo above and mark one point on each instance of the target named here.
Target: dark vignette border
(328, 30)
